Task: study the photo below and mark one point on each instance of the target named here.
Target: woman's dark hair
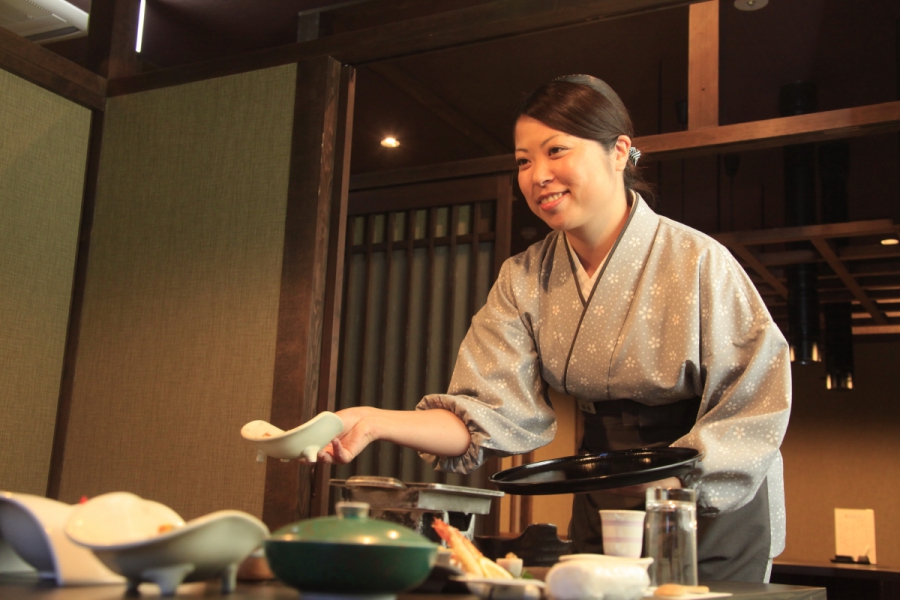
(588, 108)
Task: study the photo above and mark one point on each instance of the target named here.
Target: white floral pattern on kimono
(672, 316)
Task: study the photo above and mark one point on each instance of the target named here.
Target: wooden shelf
(859, 273)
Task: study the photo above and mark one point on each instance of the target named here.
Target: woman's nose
(542, 175)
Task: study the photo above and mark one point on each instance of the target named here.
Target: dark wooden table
(28, 588)
(843, 581)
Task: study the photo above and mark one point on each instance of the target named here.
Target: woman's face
(571, 183)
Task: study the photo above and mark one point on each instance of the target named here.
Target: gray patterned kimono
(672, 317)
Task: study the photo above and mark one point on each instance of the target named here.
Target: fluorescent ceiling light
(140, 31)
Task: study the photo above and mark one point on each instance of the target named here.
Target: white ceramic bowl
(32, 526)
(597, 576)
(305, 440)
(147, 541)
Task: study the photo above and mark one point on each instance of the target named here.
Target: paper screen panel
(43, 147)
(180, 312)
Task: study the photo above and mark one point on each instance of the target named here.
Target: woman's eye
(555, 150)
(522, 162)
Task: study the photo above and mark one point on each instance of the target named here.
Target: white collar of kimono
(585, 282)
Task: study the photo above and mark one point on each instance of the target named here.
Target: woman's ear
(620, 152)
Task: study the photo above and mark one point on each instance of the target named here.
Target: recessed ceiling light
(890, 242)
(750, 4)
(390, 142)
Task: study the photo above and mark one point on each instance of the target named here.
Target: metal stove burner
(416, 505)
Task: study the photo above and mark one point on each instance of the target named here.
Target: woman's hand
(639, 491)
(436, 431)
(353, 439)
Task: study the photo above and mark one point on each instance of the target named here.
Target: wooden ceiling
(443, 76)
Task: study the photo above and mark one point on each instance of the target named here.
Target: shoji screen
(180, 310)
(43, 149)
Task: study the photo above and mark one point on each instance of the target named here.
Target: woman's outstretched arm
(438, 432)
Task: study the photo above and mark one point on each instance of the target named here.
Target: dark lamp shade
(839, 380)
(805, 352)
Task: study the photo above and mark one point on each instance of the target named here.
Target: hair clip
(634, 155)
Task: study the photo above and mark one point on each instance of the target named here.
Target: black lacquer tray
(593, 472)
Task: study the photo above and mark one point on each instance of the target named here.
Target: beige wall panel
(43, 148)
(841, 451)
(557, 509)
(178, 331)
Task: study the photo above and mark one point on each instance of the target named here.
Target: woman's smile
(551, 201)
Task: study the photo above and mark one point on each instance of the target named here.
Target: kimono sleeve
(496, 388)
(746, 399)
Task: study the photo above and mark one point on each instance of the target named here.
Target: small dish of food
(145, 541)
(303, 441)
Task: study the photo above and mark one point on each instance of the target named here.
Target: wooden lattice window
(420, 261)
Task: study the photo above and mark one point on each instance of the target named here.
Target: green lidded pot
(350, 554)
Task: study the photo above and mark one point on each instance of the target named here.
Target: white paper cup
(623, 532)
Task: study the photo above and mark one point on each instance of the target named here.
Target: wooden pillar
(703, 65)
(112, 35)
(295, 391)
(334, 297)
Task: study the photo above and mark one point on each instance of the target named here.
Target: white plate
(614, 560)
(123, 531)
(688, 596)
(305, 440)
(499, 581)
(32, 527)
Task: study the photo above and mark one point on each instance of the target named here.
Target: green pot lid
(352, 525)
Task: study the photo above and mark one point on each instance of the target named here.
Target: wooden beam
(806, 232)
(481, 23)
(836, 124)
(451, 170)
(703, 65)
(848, 253)
(751, 261)
(298, 344)
(440, 107)
(814, 127)
(112, 36)
(423, 195)
(51, 71)
(827, 252)
(875, 329)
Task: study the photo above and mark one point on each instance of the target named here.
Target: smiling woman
(651, 326)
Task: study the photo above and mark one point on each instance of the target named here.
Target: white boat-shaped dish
(486, 588)
(147, 541)
(32, 531)
(305, 440)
